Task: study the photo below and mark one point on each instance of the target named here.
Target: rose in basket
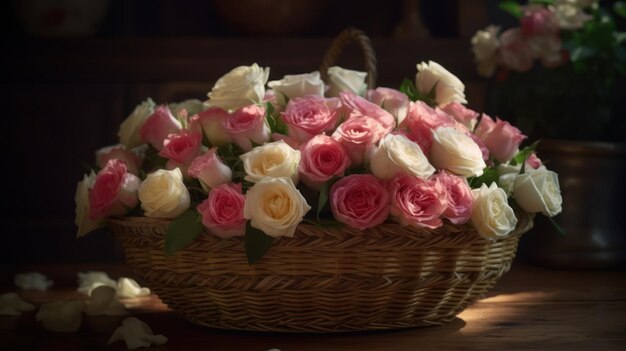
(257, 162)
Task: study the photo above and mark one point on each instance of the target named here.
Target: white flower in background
(129, 288)
(32, 281)
(275, 206)
(103, 302)
(276, 159)
(397, 154)
(136, 334)
(297, 85)
(12, 305)
(242, 86)
(61, 316)
(88, 281)
(130, 129)
(485, 44)
(538, 191)
(341, 79)
(192, 106)
(570, 14)
(449, 88)
(163, 194)
(456, 152)
(83, 222)
(492, 216)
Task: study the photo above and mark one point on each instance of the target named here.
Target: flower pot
(592, 184)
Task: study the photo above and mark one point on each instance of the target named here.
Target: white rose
(571, 14)
(163, 194)
(130, 129)
(485, 43)
(456, 152)
(292, 86)
(275, 206)
(83, 222)
(538, 191)
(243, 86)
(449, 87)
(276, 159)
(397, 154)
(341, 79)
(192, 106)
(492, 216)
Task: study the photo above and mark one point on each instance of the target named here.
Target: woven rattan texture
(322, 280)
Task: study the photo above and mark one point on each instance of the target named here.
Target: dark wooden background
(64, 97)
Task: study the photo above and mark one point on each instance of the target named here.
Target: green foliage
(511, 7)
(523, 155)
(490, 175)
(619, 7)
(323, 197)
(182, 231)
(256, 243)
(274, 121)
(409, 89)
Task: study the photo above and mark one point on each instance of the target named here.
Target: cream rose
(275, 206)
(449, 87)
(130, 130)
(83, 222)
(163, 194)
(492, 216)
(538, 191)
(342, 79)
(276, 159)
(297, 85)
(485, 43)
(397, 154)
(456, 152)
(243, 86)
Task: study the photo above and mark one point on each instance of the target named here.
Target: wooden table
(530, 308)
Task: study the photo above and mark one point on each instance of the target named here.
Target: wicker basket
(323, 280)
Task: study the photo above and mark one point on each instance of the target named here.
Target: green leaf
(511, 7)
(323, 198)
(619, 7)
(581, 53)
(182, 231)
(557, 226)
(524, 154)
(274, 121)
(490, 175)
(409, 89)
(542, 2)
(256, 243)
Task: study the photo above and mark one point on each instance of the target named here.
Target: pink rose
(222, 211)
(360, 201)
(308, 116)
(533, 161)
(483, 148)
(501, 138)
(359, 135)
(248, 125)
(514, 51)
(181, 148)
(114, 191)
(459, 197)
(211, 122)
(393, 101)
(462, 114)
(354, 103)
(485, 126)
(118, 152)
(210, 170)
(322, 157)
(158, 126)
(538, 20)
(417, 201)
(422, 120)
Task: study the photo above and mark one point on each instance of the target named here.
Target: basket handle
(369, 56)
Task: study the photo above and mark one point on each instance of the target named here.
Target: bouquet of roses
(257, 162)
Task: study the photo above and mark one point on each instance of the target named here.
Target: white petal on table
(61, 316)
(12, 305)
(103, 302)
(32, 281)
(136, 333)
(129, 288)
(88, 281)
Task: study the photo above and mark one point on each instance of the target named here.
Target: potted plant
(562, 74)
